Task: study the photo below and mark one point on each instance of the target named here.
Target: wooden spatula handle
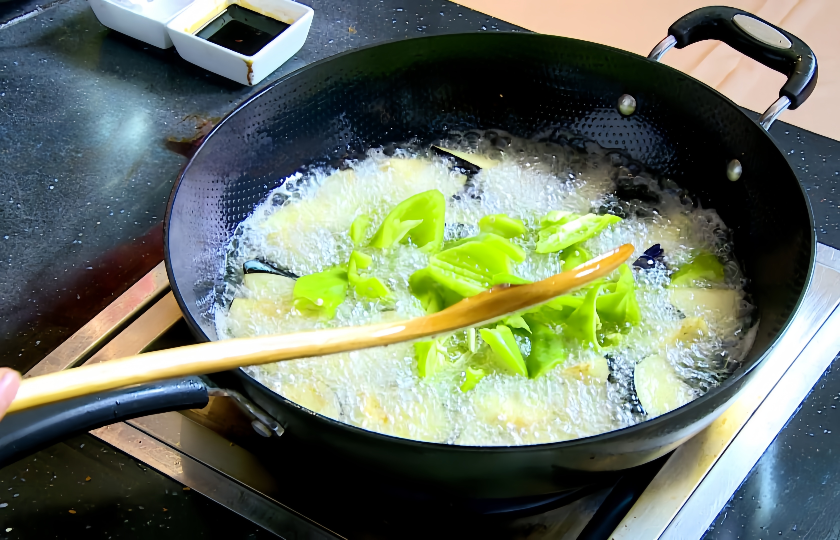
(224, 355)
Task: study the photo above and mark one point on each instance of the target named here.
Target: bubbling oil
(303, 226)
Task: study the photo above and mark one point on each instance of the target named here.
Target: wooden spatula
(223, 355)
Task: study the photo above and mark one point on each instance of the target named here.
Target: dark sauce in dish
(242, 30)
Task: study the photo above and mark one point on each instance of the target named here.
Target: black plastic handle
(31, 430)
(719, 23)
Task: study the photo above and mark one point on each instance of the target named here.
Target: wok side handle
(766, 43)
(28, 431)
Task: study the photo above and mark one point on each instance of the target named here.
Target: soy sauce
(242, 30)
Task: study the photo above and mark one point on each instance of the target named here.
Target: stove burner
(506, 508)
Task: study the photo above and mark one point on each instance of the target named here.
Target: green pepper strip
(469, 268)
(558, 237)
(502, 225)
(321, 293)
(547, 351)
(503, 344)
(621, 306)
(584, 322)
(366, 286)
(430, 358)
(472, 378)
(358, 229)
(705, 266)
(419, 219)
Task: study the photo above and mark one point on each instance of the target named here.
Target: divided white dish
(141, 19)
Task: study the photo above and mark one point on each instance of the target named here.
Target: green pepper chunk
(557, 237)
(419, 218)
(503, 344)
(424, 287)
(469, 268)
(502, 225)
(547, 351)
(620, 305)
(574, 256)
(509, 279)
(465, 268)
(365, 285)
(321, 293)
(504, 245)
(566, 302)
(557, 217)
(583, 323)
(554, 311)
(705, 266)
(358, 229)
(495, 241)
(430, 357)
(471, 378)
(516, 321)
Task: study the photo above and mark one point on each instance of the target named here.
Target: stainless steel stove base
(681, 501)
(701, 476)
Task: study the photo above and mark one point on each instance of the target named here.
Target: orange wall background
(638, 25)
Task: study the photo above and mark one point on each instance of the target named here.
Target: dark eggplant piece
(256, 266)
(468, 168)
(631, 399)
(650, 257)
(632, 189)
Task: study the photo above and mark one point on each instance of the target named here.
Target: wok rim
(540, 447)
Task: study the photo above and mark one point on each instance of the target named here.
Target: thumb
(9, 384)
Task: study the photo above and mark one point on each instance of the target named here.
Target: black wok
(531, 86)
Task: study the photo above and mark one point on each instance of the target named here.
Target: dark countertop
(793, 490)
(82, 488)
(93, 131)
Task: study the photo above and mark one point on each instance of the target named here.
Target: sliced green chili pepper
(503, 344)
(560, 236)
(502, 225)
(574, 256)
(494, 240)
(620, 305)
(469, 268)
(472, 377)
(547, 351)
(430, 357)
(557, 217)
(516, 321)
(365, 285)
(321, 293)
(424, 287)
(509, 279)
(705, 266)
(358, 229)
(419, 219)
(583, 323)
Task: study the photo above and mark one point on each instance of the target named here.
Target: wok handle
(25, 432)
(766, 43)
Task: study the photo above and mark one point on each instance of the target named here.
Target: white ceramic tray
(163, 23)
(140, 19)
